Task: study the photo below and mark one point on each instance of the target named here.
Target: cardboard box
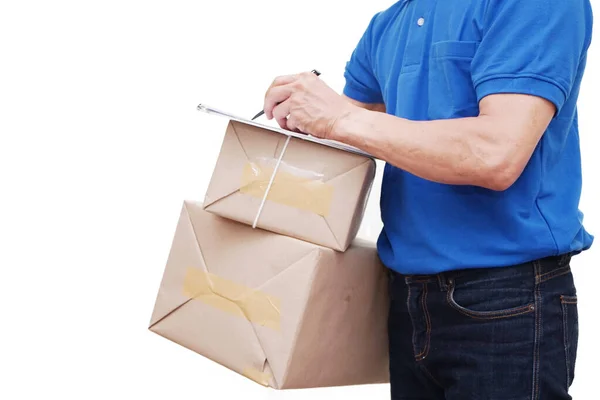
(282, 312)
(318, 193)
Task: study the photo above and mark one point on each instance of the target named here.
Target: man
(472, 104)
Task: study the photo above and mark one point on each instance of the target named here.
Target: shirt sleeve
(532, 47)
(361, 83)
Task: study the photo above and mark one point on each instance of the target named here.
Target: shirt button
(421, 21)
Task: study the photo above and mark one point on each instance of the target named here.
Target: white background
(101, 142)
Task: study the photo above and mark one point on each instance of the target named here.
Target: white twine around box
(264, 199)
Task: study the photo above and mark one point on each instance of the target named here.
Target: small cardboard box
(282, 312)
(318, 191)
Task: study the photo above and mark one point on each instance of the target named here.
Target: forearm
(461, 151)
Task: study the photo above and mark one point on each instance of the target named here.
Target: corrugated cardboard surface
(280, 311)
(319, 193)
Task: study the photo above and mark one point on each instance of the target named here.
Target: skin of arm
(490, 150)
(380, 107)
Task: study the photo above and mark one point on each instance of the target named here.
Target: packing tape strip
(287, 188)
(264, 199)
(262, 378)
(233, 298)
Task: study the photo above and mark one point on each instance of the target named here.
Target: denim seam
(566, 339)
(553, 274)
(568, 299)
(526, 311)
(486, 315)
(537, 334)
(420, 280)
(412, 320)
(423, 354)
(442, 282)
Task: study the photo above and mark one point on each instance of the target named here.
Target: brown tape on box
(289, 187)
(232, 298)
(262, 378)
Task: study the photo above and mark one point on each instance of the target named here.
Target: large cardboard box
(318, 193)
(283, 312)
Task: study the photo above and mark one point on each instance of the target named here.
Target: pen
(314, 71)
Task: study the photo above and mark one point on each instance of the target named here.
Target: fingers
(280, 113)
(277, 82)
(282, 122)
(277, 99)
(281, 110)
(282, 88)
(283, 80)
(275, 96)
(293, 124)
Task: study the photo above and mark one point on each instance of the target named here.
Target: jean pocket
(489, 302)
(570, 333)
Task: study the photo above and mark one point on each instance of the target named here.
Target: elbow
(501, 174)
(501, 182)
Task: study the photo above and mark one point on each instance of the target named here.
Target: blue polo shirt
(430, 59)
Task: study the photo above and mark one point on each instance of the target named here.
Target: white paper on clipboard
(211, 110)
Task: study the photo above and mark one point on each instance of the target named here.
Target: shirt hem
(530, 84)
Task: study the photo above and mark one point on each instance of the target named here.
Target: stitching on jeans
(487, 315)
(537, 334)
(423, 298)
(423, 354)
(442, 282)
(528, 310)
(553, 274)
(566, 339)
(568, 299)
(420, 280)
(412, 320)
(554, 270)
(428, 345)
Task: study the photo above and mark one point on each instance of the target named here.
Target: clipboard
(331, 143)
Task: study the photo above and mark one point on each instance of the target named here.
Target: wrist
(346, 123)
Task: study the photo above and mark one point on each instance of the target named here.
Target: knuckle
(279, 112)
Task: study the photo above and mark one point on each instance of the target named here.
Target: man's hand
(490, 150)
(304, 103)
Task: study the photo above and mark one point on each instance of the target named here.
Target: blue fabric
(429, 59)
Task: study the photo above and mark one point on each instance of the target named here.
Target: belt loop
(565, 259)
(443, 281)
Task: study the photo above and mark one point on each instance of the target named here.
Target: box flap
(184, 251)
(257, 287)
(343, 335)
(280, 266)
(230, 164)
(344, 229)
(313, 190)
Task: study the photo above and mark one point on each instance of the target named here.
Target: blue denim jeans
(503, 333)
